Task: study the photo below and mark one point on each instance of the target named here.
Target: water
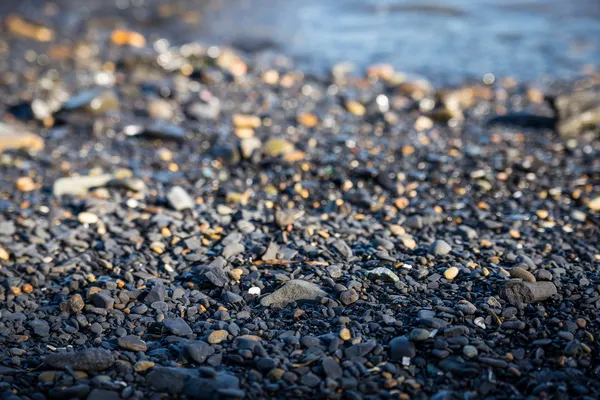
(527, 39)
(445, 40)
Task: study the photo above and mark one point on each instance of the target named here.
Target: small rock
(293, 290)
(87, 218)
(401, 347)
(277, 147)
(157, 293)
(383, 274)
(132, 343)
(84, 360)
(199, 351)
(13, 137)
(143, 365)
(521, 273)
(161, 109)
(217, 336)
(439, 248)
(79, 185)
(179, 199)
(450, 273)
(519, 293)
(102, 300)
(470, 351)
(73, 305)
(178, 327)
(348, 297)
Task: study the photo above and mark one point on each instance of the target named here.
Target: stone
(204, 110)
(294, 290)
(143, 365)
(73, 305)
(419, 335)
(79, 185)
(102, 300)
(15, 137)
(91, 360)
(132, 343)
(382, 274)
(332, 368)
(159, 108)
(199, 351)
(178, 327)
(519, 292)
(249, 145)
(101, 394)
(470, 351)
(157, 293)
(276, 147)
(179, 199)
(440, 248)
(40, 327)
(401, 347)
(216, 337)
(451, 273)
(87, 218)
(521, 273)
(348, 297)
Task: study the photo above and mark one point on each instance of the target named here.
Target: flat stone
(217, 336)
(157, 293)
(521, 273)
(294, 290)
(13, 137)
(178, 327)
(382, 274)
(85, 360)
(199, 351)
(132, 343)
(79, 185)
(179, 199)
(519, 292)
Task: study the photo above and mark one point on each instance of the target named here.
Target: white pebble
(254, 290)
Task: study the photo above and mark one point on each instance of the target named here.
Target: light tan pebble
(217, 336)
(451, 273)
(87, 218)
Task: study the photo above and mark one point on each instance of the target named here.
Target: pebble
(87, 218)
(79, 185)
(132, 343)
(470, 351)
(450, 273)
(348, 297)
(440, 248)
(217, 336)
(294, 290)
(13, 137)
(518, 293)
(520, 273)
(73, 305)
(178, 326)
(93, 359)
(179, 199)
(384, 274)
(401, 347)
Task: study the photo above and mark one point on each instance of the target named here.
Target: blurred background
(443, 40)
